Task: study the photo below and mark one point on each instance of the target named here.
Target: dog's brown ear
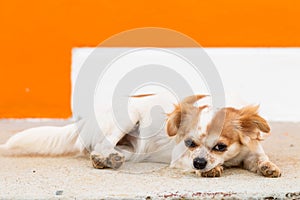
(251, 123)
(184, 110)
(192, 99)
(174, 120)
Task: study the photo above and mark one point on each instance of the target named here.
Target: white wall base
(266, 76)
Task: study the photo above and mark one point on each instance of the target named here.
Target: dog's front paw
(98, 161)
(114, 161)
(215, 172)
(269, 169)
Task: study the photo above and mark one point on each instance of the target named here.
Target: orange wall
(37, 36)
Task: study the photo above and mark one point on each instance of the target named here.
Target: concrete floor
(74, 177)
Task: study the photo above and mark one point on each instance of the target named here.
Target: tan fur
(184, 117)
(141, 95)
(174, 120)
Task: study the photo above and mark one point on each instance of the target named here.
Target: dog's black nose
(199, 163)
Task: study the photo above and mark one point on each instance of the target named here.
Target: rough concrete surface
(74, 177)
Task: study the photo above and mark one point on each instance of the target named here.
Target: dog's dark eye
(190, 143)
(220, 147)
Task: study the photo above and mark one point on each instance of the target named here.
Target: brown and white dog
(189, 138)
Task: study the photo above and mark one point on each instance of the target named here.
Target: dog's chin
(201, 170)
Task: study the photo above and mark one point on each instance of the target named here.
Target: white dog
(115, 144)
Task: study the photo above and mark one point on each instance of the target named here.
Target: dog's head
(230, 132)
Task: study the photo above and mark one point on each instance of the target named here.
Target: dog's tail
(45, 141)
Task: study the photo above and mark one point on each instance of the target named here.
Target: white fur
(45, 140)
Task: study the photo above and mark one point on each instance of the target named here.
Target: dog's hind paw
(114, 161)
(269, 169)
(215, 172)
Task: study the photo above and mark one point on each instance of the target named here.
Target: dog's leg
(259, 162)
(215, 172)
(104, 155)
(267, 168)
